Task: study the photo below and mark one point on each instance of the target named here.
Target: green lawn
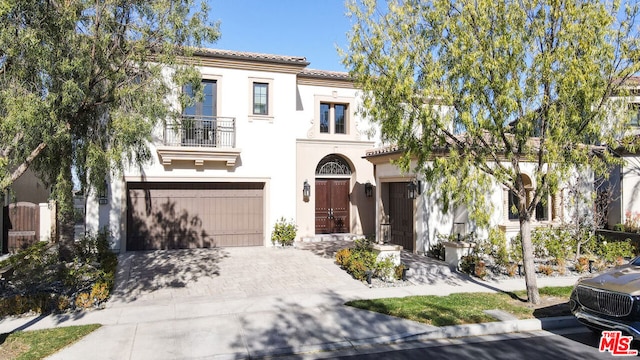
(38, 344)
(462, 308)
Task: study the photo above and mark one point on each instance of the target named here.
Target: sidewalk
(259, 326)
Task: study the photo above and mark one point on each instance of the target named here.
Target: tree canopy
(495, 85)
(83, 83)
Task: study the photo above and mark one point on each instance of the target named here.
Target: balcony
(200, 139)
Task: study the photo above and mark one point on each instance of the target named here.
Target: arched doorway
(333, 178)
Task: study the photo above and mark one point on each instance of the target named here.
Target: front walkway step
(331, 237)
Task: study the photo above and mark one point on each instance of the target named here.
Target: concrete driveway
(176, 276)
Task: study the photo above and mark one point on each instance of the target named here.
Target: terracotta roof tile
(252, 56)
(325, 74)
(382, 150)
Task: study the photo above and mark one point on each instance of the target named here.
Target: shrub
(384, 269)
(100, 292)
(495, 247)
(512, 269)
(399, 270)
(84, 300)
(343, 256)
(611, 251)
(583, 264)
(480, 269)
(357, 269)
(436, 251)
(632, 221)
(515, 249)
(618, 227)
(362, 244)
(468, 263)
(545, 269)
(561, 263)
(359, 260)
(40, 283)
(284, 232)
(558, 242)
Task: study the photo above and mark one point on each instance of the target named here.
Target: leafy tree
(83, 83)
(478, 90)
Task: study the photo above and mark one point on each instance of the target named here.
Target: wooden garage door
(194, 215)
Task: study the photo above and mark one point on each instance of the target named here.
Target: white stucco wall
(630, 200)
(430, 221)
(281, 151)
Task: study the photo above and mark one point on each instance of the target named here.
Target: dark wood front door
(332, 206)
(401, 216)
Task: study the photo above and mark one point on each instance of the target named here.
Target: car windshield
(636, 261)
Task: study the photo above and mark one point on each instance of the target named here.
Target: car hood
(624, 279)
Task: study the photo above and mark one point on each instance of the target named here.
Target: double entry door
(332, 206)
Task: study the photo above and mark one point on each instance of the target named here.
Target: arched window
(542, 209)
(333, 165)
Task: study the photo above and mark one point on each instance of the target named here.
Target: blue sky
(309, 28)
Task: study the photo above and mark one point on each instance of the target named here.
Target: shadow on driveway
(144, 272)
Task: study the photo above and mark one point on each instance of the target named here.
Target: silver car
(610, 301)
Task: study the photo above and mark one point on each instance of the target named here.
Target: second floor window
(333, 117)
(198, 120)
(260, 98)
(207, 107)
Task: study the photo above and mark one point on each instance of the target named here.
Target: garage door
(194, 215)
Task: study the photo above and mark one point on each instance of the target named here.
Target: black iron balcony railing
(201, 131)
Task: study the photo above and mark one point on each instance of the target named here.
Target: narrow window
(513, 205)
(542, 212)
(340, 113)
(324, 118)
(260, 98)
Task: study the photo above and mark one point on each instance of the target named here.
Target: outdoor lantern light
(413, 189)
(306, 190)
(368, 189)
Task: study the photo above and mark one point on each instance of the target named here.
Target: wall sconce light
(414, 188)
(368, 189)
(102, 194)
(306, 190)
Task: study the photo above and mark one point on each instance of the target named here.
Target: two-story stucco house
(270, 139)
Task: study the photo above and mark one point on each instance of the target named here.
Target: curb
(445, 332)
(498, 327)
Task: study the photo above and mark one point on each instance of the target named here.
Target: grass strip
(38, 344)
(459, 308)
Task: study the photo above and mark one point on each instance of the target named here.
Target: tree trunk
(64, 197)
(527, 257)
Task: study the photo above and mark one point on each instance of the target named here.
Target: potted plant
(284, 232)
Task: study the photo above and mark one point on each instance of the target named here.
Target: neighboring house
(28, 215)
(239, 160)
